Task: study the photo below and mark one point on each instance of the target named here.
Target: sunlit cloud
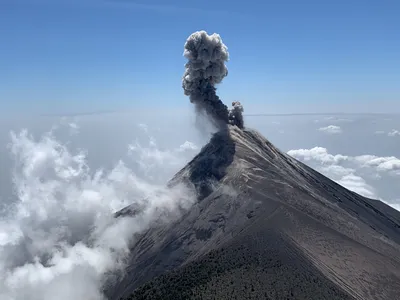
(331, 129)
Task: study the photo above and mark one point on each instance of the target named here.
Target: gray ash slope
(266, 226)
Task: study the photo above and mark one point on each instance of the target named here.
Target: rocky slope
(265, 226)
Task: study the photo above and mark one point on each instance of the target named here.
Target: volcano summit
(264, 226)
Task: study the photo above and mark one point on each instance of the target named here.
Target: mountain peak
(286, 230)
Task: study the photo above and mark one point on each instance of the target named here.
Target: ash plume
(236, 114)
(205, 68)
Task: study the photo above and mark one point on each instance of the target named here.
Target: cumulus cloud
(156, 163)
(394, 132)
(331, 129)
(59, 237)
(353, 172)
(187, 146)
(377, 163)
(317, 153)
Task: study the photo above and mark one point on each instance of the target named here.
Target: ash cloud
(236, 114)
(205, 68)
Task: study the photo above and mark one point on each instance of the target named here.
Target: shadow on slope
(209, 166)
(203, 172)
(328, 241)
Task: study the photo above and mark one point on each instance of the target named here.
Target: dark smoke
(205, 68)
(236, 114)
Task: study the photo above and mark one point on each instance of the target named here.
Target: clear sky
(88, 55)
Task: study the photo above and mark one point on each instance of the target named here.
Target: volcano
(265, 226)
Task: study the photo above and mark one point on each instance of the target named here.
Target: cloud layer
(331, 129)
(394, 132)
(59, 237)
(357, 173)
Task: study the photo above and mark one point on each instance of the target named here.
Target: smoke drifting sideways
(205, 68)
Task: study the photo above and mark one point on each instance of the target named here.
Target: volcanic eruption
(264, 226)
(205, 68)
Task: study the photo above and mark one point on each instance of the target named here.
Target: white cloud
(357, 184)
(331, 129)
(157, 163)
(395, 204)
(144, 127)
(187, 146)
(321, 155)
(317, 153)
(387, 163)
(391, 133)
(337, 119)
(394, 132)
(353, 172)
(74, 128)
(379, 132)
(59, 238)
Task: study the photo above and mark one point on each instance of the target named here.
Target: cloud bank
(59, 237)
(391, 133)
(331, 129)
(353, 172)
(394, 132)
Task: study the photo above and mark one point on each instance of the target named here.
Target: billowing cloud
(394, 132)
(357, 173)
(388, 163)
(391, 133)
(157, 163)
(187, 146)
(319, 154)
(331, 129)
(59, 236)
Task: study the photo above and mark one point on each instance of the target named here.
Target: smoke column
(205, 68)
(236, 114)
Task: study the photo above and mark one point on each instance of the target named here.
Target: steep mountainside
(265, 226)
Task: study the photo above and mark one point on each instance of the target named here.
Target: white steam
(60, 237)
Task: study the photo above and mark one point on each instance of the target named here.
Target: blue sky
(73, 56)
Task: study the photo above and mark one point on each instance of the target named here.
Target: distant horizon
(132, 110)
(102, 107)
